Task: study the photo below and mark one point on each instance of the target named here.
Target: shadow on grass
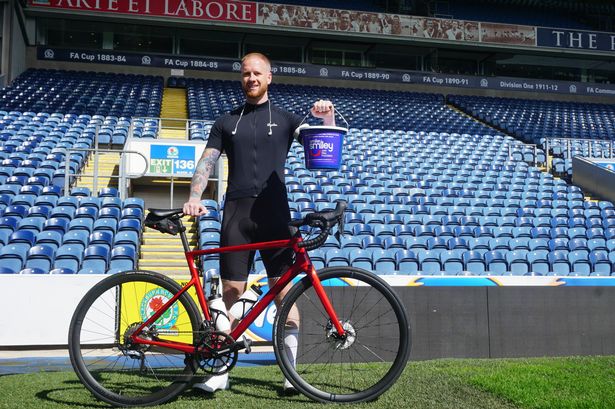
(75, 389)
(249, 388)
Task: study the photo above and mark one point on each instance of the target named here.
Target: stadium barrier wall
(481, 317)
(591, 177)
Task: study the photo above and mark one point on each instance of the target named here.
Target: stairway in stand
(173, 106)
(161, 252)
(164, 253)
(108, 166)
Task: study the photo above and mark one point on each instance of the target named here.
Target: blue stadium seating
(430, 190)
(84, 94)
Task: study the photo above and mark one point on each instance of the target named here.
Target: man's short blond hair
(262, 57)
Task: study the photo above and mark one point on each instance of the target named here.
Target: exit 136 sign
(172, 159)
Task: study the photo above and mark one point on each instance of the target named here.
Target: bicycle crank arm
(242, 344)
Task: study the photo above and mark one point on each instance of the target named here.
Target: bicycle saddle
(163, 213)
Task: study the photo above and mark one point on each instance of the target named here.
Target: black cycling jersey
(256, 159)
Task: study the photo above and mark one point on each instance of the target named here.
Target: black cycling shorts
(250, 220)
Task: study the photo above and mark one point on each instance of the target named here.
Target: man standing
(256, 138)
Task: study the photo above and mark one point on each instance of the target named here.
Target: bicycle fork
(326, 303)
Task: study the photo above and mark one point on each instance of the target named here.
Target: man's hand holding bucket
(324, 109)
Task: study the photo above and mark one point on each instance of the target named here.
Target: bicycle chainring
(216, 353)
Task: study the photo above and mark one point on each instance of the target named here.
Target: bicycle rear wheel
(363, 365)
(112, 368)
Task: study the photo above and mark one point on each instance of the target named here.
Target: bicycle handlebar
(323, 220)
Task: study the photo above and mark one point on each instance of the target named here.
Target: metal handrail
(188, 122)
(122, 176)
(568, 144)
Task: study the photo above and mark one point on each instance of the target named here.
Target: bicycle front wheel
(113, 368)
(361, 365)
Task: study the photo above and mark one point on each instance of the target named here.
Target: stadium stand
(431, 190)
(569, 128)
(77, 93)
(39, 220)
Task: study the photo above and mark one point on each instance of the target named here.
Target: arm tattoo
(202, 172)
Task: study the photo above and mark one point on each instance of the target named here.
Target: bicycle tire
(359, 298)
(123, 376)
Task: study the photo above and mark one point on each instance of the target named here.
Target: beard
(256, 93)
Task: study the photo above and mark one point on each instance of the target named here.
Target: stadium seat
(407, 262)
(579, 263)
(129, 225)
(473, 262)
(452, 262)
(12, 258)
(39, 259)
(384, 260)
(49, 238)
(337, 258)
(518, 263)
(122, 259)
(429, 262)
(361, 258)
(600, 263)
(538, 261)
(495, 262)
(318, 259)
(105, 224)
(558, 263)
(95, 260)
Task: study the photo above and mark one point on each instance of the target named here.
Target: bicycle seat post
(182, 234)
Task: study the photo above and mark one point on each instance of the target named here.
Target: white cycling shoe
(289, 389)
(213, 383)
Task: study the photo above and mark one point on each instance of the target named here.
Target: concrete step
(172, 133)
(164, 262)
(166, 240)
(170, 271)
(155, 255)
(149, 232)
(162, 247)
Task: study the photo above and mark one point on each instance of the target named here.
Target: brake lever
(340, 229)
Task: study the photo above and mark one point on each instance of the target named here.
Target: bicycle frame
(302, 264)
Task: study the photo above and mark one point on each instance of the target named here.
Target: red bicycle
(138, 337)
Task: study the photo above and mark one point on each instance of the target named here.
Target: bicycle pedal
(248, 345)
(245, 344)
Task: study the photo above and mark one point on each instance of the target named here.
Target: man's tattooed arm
(201, 174)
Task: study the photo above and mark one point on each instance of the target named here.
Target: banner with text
(575, 39)
(329, 72)
(217, 10)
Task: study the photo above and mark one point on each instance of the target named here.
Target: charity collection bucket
(323, 146)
